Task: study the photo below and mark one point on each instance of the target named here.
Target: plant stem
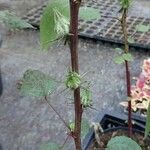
(128, 82)
(74, 11)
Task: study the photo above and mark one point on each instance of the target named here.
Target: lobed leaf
(36, 83)
(122, 143)
(48, 34)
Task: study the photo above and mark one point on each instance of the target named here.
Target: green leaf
(147, 128)
(118, 50)
(125, 3)
(131, 40)
(142, 28)
(49, 21)
(122, 143)
(119, 59)
(89, 13)
(86, 97)
(12, 21)
(36, 83)
(72, 126)
(127, 57)
(49, 146)
(84, 127)
(73, 80)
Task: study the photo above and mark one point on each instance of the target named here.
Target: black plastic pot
(112, 123)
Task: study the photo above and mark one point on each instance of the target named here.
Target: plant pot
(137, 116)
(119, 131)
(113, 123)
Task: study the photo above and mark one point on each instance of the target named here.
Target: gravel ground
(26, 122)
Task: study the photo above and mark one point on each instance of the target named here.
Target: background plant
(140, 92)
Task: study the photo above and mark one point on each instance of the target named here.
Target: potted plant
(112, 138)
(141, 92)
(60, 22)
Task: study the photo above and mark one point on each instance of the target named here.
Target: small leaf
(86, 97)
(118, 50)
(12, 21)
(89, 13)
(49, 23)
(147, 128)
(122, 143)
(142, 28)
(36, 83)
(127, 57)
(131, 40)
(84, 127)
(73, 80)
(49, 146)
(119, 59)
(72, 126)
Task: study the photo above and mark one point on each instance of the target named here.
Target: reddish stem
(129, 101)
(74, 11)
(126, 50)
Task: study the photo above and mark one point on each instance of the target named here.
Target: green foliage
(86, 97)
(73, 80)
(12, 21)
(49, 146)
(118, 50)
(125, 3)
(89, 13)
(54, 22)
(142, 28)
(147, 128)
(36, 83)
(72, 126)
(122, 143)
(84, 127)
(127, 57)
(119, 59)
(124, 57)
(131, 40)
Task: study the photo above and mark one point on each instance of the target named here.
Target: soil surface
(104, 138)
